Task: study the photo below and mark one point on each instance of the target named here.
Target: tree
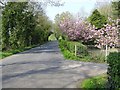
(77, 30)
(23, 25)
(58, 19)
(116, 8)
(43, 28)
(17, 25)
(97, 19)
(107, 36)
(62, 16)
(106, 9)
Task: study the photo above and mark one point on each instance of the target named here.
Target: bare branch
(1, 3)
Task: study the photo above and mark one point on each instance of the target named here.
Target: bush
(81, 49)
(70, 46)
(113, 61)
(68, 49)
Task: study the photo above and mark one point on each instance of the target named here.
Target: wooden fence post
(75, 50)
(106, 52)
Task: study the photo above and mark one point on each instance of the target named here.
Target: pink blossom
(79, 30)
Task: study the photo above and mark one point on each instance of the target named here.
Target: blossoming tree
(79, 30)
(108, 36)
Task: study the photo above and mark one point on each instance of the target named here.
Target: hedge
(70, 46)
(113, 61)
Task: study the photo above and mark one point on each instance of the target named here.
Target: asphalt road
(45, 67)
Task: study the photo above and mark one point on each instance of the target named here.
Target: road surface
(45, 67)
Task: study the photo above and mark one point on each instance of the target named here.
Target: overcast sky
(83, 7)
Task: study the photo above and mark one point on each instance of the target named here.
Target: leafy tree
(97, 19)
(58, 19)
(17, 25)
(43, 28)
(23, 24)
(116, 8)
(106, 9)
(62, 16)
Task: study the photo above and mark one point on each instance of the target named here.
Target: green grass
(85, 58)
(11, 52)
(52, 37)
(7, 53)
(99, 82)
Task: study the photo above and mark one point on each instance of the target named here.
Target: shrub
(113, 61)
(81, 49)
(70, 46)
(62, 44)
(68, 49)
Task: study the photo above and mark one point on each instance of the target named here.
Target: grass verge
(97, 82)
(14, 51)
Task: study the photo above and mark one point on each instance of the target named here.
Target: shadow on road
(50, 47)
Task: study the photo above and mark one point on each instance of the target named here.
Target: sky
(83, 7)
